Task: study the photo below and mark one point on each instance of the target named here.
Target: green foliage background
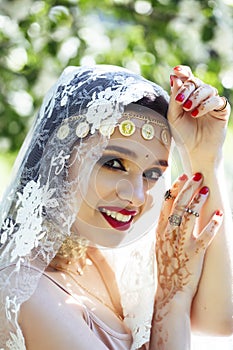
(39, 38)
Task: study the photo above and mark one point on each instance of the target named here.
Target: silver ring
(175, 220)
(193, 212)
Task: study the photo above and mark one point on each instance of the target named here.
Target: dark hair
(159, 104)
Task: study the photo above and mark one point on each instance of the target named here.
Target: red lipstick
(113, 222)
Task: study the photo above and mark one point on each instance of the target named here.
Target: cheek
(101, 186)
(103, 183)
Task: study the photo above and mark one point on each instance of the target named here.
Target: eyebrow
(130, 153)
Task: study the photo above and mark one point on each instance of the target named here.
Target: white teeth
(117, 216)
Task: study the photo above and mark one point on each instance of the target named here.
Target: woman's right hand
(180, 247)
(198, 117)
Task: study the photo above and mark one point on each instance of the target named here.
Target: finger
(222, 109)
(168, 202)
(209, 106)
(185, 196)
(174, 109)
(196, 99)
(192, 211)
(183, 72)
(209, 232)
(180, 93)
(182, 201)
(186, 90)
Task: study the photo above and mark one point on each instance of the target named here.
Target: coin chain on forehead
(126, 127)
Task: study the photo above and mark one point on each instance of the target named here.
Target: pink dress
(113, 340)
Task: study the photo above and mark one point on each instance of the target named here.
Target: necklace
(73, 276)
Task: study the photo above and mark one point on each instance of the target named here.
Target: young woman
(78, 228)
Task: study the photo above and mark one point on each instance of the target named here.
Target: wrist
(199, 162)
(180, 302)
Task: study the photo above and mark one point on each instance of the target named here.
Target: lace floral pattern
(39, 212)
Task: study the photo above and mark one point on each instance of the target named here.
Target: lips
(118, 218)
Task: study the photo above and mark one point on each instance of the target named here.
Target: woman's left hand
(198, 116)
(180, 246)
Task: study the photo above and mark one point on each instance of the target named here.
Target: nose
(131, 190)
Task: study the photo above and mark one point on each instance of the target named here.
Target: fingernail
(204, 190)
(195, 112)
(197, 177)
(219, 213)
(183, 177)
(171, 80)
(187, 104)
(177, 68)
(180, 97)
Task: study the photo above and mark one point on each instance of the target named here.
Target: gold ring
(195, 82)
(224, 105)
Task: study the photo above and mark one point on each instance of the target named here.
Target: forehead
(140, 116)
(136, 146)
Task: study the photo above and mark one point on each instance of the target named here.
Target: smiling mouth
(118, 218)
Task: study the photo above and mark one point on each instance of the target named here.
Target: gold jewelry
(126, 127)
(224, 105)
(195, 81)
(63, 131)
(106, 129)
(82, 129)
(73, 276)
(74, 248)
(148, 131)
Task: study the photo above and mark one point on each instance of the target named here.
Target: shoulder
(52, 319)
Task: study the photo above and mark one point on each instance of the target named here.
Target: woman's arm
(212, 308)
(200, 140)
(173, 329)
(180, 255)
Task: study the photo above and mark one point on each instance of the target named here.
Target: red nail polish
(204, 190)
(197, 177)
(187, 104)
(195, 112)
(183, 177)
(177, 68)
(171, 80)
(219, 213)
(180, 97)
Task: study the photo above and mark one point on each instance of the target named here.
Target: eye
(153, 174)
(113, 163)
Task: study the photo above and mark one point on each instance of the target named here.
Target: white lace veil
(39, 206)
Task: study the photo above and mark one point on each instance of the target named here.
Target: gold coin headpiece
(156, 126)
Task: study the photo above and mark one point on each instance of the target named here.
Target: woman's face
(119, 187)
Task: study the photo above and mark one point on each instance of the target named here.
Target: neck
(84, 274)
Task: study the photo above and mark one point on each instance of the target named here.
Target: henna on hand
(180, 250)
